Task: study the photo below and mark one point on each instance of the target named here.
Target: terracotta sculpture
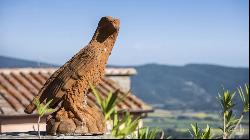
(70, 84)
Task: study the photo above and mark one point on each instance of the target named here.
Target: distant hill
(193, 86)
(8, 62)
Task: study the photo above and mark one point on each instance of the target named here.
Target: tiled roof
(18, 87)
(108, 71)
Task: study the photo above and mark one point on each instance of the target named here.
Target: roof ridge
(26, 70)
(108, 70)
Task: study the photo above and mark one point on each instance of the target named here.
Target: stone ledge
(34, 135)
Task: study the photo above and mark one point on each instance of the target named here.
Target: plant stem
(224, 126)
(162, 134)
(38, 127)
(237, 125)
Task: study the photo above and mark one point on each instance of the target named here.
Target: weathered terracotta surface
(70, 84)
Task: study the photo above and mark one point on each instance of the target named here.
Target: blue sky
(175, 32)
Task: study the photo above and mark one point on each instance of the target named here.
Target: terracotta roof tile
(25, 83)
(9, 101)
(32, 80)
(11, 89)
(18, 87)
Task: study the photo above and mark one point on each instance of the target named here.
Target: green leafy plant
(147, 133)
(107, 105)
(42, 110)
(244, 96)
(230, 121)
(125, 127)
(198, 133)
(122, 128)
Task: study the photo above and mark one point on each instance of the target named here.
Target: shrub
(230, 121)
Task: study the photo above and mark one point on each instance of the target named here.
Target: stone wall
(33, 135)
(123, 81)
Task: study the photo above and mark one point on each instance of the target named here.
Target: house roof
(19, 86)
(108, 71)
